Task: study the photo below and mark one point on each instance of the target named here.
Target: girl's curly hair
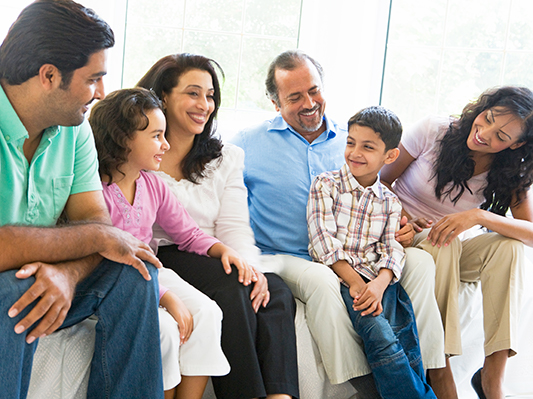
(511, 171)
(115, 120)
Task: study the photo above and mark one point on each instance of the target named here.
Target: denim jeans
(391, 345)
(127, 358)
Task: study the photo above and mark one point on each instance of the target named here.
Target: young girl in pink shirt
(129, 128)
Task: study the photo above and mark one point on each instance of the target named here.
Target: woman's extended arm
(519, 227)
(389, 174)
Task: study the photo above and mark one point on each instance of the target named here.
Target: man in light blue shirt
(51, 66)
(282, 157)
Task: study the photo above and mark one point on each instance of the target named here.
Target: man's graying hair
(288, 61)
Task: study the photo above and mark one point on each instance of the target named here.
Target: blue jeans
(391, 345)
(127, 358)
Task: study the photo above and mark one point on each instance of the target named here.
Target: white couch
(62, 360)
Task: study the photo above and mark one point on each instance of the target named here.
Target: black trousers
(260, 347)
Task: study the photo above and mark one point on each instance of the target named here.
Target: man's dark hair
(287, 61)
(58, 32)
(382, 121)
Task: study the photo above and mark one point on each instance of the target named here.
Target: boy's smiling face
(365, 154)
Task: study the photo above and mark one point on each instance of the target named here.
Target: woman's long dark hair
(511, 171)
(162, 77)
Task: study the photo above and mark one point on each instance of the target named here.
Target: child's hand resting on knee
(368, 300)
(177, 309)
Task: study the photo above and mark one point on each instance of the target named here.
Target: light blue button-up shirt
(279, 167)
(64, 163)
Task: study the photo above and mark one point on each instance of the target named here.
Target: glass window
(443, 53)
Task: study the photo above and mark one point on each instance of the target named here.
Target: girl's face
(190, 103)
(149, 145)
(495, 130)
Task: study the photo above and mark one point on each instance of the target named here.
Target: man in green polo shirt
(51, 66)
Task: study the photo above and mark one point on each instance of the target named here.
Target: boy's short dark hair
(58, 32)
(382, 121)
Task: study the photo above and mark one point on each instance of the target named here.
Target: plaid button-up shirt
(354, 223)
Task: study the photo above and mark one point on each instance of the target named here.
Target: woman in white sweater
(258, 336)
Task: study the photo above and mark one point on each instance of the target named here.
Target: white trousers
(201, 354)
(341, 349)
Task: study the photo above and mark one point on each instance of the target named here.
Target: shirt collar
(11, 127)
(349, 183)
(278, 123)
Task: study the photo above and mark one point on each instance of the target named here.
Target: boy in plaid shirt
(352, 220)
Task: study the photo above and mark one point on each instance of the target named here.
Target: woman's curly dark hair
(162, 77)
(115, 120)
(511, 171)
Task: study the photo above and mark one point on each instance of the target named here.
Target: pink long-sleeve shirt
(154, 203)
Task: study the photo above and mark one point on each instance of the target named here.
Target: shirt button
(310, 148)
(8, 138)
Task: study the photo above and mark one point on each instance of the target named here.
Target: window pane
(144, 46)
(520, 29)
(417, 22)
(158, 13)
(487, 43)
(220, 15)
(257, 54)
(224, 49)
(477, 23)
(516, 66)
(411, 84)
(466, 74)
(280, 18)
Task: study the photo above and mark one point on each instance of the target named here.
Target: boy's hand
(369, 300)
(180, 313)
(230, 257)
(357, 287)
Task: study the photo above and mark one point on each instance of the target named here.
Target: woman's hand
(420, 224)
(177, 309)
(230, 257)
(260, 294)
(450, 226)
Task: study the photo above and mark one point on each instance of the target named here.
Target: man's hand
(260, 294)
(122, 247)
(54, 289)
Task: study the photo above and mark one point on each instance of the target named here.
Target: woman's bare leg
(442, 383)
(492, 374)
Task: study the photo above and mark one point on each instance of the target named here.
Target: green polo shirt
(64, 163)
